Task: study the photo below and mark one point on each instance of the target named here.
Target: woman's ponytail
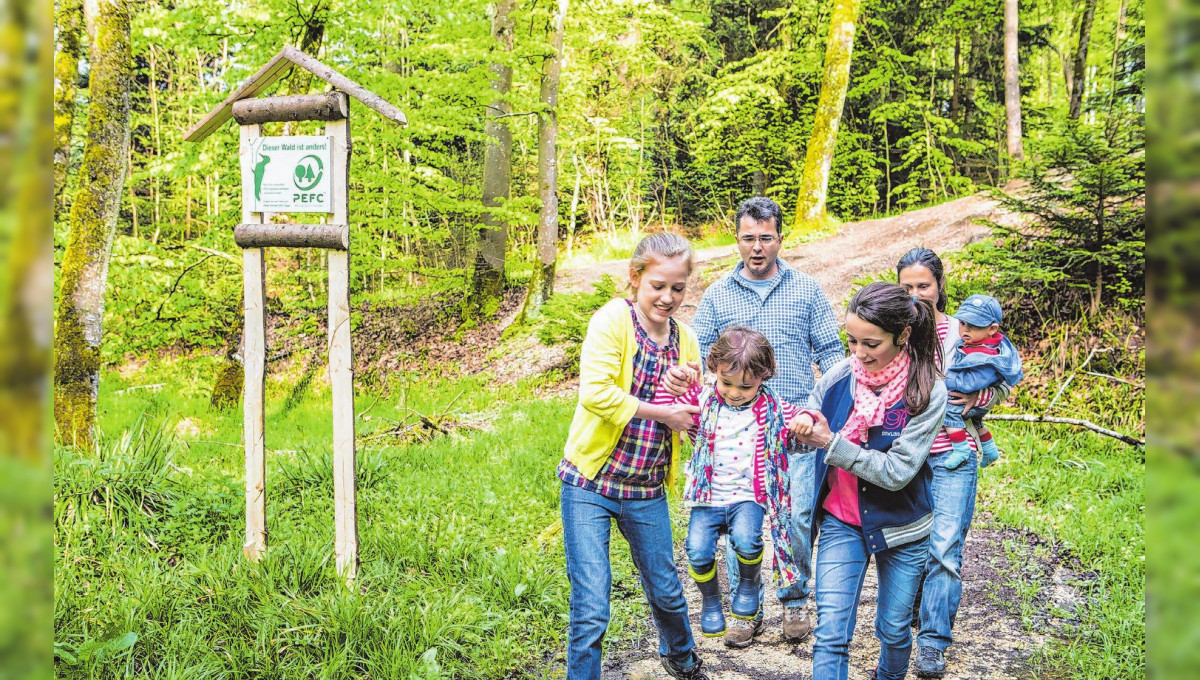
(925, 352)
(889, 307)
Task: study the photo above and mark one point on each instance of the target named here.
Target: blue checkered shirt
(796, 318)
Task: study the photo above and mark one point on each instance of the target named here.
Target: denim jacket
(975, 371)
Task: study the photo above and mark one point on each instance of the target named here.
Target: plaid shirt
(638, 465)
(796, 318)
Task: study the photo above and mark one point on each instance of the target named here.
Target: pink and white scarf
(869, 406)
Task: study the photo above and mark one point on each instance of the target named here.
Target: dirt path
(991, 639)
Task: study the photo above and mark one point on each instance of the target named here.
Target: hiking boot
(931, 663)
(741, 633)
(692, 669)
(797, 624)
(712, 618)
(743, 602)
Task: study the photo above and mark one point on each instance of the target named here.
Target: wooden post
(341, 364)
(255, 373)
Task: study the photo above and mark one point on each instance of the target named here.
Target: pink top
(842, 501)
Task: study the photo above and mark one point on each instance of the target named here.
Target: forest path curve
(857, 249)
(991, 640)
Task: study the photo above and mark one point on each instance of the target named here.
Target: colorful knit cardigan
(772, 486)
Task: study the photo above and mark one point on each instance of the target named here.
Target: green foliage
(462, 568)
(1085, 243)
(565, 317)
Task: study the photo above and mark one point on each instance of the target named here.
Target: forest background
(668, 115)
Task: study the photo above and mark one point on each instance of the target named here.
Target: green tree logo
(308, 172)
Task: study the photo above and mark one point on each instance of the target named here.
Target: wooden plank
(341, 367)
(255, 235)
(255, 85)
(254, 363)
(326, 106)
(341, 82)
(272, 71)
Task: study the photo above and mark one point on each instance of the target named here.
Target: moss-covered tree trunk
(27, 261)
(69, 21)
(1079, 70)
(487, 279)
(541, 286)
(83, 276)
(227, 388)
(1012, 82)
(810, 207)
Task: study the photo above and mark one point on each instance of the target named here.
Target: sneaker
(692, 670)
(931, 663)
(797, 624)
(742, 632)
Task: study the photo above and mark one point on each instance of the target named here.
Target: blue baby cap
(980, 310)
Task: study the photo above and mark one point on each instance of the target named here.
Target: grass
(462, 566)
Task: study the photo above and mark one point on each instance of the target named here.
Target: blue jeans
(842, 560)
(800, 474)
(957, 419)
(953, 508)
(587, 524)
(742, 522)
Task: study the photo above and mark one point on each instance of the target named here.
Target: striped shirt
(638, 465)
(942, 443)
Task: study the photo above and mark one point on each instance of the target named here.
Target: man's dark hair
(760, 209)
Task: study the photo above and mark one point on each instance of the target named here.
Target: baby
(981, 358)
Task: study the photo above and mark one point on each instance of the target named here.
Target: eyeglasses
(766, 239)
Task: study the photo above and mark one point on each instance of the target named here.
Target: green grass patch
(461, 573)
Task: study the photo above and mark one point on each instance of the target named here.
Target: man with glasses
(791, 310)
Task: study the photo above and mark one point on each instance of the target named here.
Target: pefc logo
(308, 172)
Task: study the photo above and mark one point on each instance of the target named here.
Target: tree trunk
(227, 388)
(810, 206)
(1079, 79)
(27, 265)
(487, 281)
(541, 286)
(957, 76)
(1012, 82)
(69, 21)
(79, 314)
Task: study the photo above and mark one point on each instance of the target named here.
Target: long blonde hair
(664, 245)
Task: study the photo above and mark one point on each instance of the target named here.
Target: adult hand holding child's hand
(679, 378)
(802, 424)
(819, 436)
(680, 417)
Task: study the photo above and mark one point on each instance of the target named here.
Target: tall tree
(1012, 81)
(83, 278)
(541, 286)
(487, 281)
(1079, 78)
(818, 159)
(69, 21)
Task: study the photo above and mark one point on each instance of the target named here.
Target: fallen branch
(1024, 418)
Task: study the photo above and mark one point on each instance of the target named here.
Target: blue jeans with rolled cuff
(802, 485)
(587, 526)
(842, 560)
(741, 522)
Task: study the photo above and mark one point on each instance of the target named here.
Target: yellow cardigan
(605, 379)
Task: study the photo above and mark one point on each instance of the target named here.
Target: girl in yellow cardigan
(622, 455)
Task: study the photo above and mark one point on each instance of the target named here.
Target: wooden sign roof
(272, 71)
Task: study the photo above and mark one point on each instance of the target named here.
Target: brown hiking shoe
(741, 633)
(797, 624)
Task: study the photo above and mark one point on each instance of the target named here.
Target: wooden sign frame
(253, 235)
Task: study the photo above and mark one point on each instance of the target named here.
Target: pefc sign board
(288, 174)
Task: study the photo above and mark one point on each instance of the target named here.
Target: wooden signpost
(293, 174)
